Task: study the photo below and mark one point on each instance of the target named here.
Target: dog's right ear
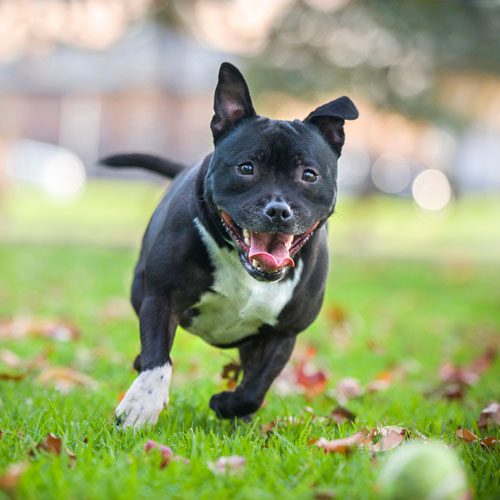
(329, 119)
(232, 101)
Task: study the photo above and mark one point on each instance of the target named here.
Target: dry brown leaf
(18, 328)
(457, 375)
(335, 313)
(64, 378)
(51, 444)
(324, 495)
(490, 416)
(166, 452)
(457, 378)
(381, 382)
(231, 372)
(227, 465)
(482, 363)
(341, 415)
(71, 456)
(11, 359)
(347, 444)
(278, 424)
(348, 388)
(10, 478)
(466, 435)
(390, 440)
(490, 442)
(13, 376)
(313, 381)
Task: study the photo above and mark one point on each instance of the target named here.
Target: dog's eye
(309, 176)
(245, 169)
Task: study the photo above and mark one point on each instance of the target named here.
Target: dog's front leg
(148, 394)
(262, 360)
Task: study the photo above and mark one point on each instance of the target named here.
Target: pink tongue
(270, 250)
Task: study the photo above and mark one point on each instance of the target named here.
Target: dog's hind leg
(262, 359)
(149, 393)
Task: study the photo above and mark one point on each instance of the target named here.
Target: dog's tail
(153, 163)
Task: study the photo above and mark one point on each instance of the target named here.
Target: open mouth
(268, 253)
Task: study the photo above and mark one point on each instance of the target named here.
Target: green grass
(435, 299)
(415, 313)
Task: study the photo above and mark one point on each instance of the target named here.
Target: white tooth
(246, 237)
(255, 263)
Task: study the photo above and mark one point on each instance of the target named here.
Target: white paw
(146, 398)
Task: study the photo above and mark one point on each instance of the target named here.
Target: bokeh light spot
(431, 190)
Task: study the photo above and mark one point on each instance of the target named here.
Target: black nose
(278, 211)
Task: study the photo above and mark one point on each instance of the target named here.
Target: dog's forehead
(274, 136)
(283, 128)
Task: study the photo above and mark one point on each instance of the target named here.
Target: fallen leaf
(345, 445)
(51, 444)
(388, 441)
(490, 416)
(286, 383)
(18, 328)
(466, 435)
(324, 495)
(278, 424)
(313, 381)
(71, 456)
(11, 359)
(227, 465)
(348, 388)
(457, 378)
(13, 376)
(453, 392)
(482, 363)
(335, 313)
(10, 478)
(165, 451)
(490, 442)
(64, 378)
(231, 372)
(381, 382)
(455, 374)
(341, 415)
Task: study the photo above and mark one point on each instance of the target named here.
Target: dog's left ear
(232, 101)
(330, 118)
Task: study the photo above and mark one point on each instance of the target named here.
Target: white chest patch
(238, 304)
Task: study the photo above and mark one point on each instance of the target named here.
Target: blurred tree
(395, 52)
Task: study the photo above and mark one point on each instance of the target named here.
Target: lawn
(391, 321)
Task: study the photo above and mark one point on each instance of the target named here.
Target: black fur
(175, 269)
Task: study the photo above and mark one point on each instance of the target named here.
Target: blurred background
(80, 79)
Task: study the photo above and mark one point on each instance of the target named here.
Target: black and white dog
(236, 251)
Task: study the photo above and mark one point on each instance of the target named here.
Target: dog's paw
(146, 398)
(231, 404)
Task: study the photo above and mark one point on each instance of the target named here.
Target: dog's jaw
(265, 256)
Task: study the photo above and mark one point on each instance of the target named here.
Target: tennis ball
(422, 471)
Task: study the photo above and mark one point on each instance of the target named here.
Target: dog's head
(272, 182)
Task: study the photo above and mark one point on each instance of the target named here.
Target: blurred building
(88, 78)
(150, 91)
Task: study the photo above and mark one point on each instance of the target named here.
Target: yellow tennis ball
(422, 471)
